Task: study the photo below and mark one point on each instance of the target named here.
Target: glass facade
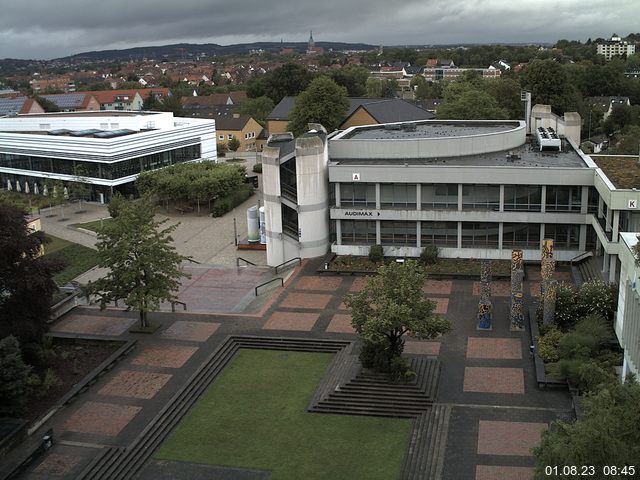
(401, 195)
(481, 197)
(439, 196)
(522, 198)
(103, 170)
(358, 232)
(442, 234)
(480, 234)
(564, 236)
(399, 233)
(521, 235)
(563, 198)
(358, 195)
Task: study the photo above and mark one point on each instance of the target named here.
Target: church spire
(312, 44)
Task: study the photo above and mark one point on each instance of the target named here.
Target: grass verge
(77, 258)
(94, 225)
(253, 417)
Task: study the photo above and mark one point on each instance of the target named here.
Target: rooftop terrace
(624, 172)
(430, 129)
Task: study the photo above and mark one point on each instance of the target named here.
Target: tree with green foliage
(233, 144)
(353, 78)
(288, 80)
(258, 108)
(464, 101)
(172, 103)
(607, 434)
(322, 102)
(78, 187)
(13, 377)
(142, 262)
(423, 90)
(150, 103)
(628, 142)
(381, 87)
(25, 277)
(390, 305)
(46, 104)
(549, 85)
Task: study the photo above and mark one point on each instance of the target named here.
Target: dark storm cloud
(48, 28)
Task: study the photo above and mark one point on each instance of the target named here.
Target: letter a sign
(356, 177)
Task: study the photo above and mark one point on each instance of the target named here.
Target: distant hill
(190, 50)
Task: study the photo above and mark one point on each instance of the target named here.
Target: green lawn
(93, 226)
(77, 258)
(253, 417)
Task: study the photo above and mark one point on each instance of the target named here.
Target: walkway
(497, 413)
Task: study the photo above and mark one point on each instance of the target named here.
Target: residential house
(242, 127)
(615, 47)
(607, 104)
(74, 102)
(19, 105)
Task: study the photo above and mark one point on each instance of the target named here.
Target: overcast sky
(55, 28)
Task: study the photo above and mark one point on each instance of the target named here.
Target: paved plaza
(487, 377)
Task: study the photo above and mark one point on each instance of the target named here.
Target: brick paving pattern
(442, 305)
(493, 380)
(499, 288)
(508, 438)
(340, 324)
(416, 347)
(315, 301)
(358, 284)
(495, 348)
(303, 322)
(190, 331)
(497, 472)
(441, 287)
(101, 418)
(132, 384)
(164, 356)
(534, 289)
(57, 465)
(94, 325)
(329, 284)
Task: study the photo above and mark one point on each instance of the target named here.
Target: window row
(107, 171)
(526, 198)
(445, 234)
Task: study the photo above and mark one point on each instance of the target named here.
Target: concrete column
(459, 234)
(501, 208)
(616, 225)
(338, 197)
(378, 197)
(600, 206)
(419, 240)
(582, 241)
(338, 232)
(459, 198)
(500, 232)
(605, 262)
(613, 264)
(378, 233)
(541, 231)
(609, 221)
(418, 197)
(584, 205)
(543, 201)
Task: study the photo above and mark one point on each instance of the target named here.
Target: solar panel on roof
(70, 100)
(59, 131)
(11, 105)
(84, 133)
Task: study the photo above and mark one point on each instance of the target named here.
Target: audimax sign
(362, 213)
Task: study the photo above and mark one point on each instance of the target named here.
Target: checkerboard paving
(329, 284)
(101, 418)
(133, 384)
(418, 347)
(190, 331)
(94, 325)
(508, 438)
(291, 321)
(534, 289)
(442, 305)
(499, 472)
(493, 380)
(438, 287)
(340, 323)
(57, 465)
(358, 284)
(496, 348)
(498, 288)
(164, 356)
(312, 301)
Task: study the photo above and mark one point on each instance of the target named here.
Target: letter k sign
(633, 204)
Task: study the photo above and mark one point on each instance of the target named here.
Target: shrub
(375, 355)
(566, 315)
(376, 253)
(596, 327)
(548, 345)
(257, 168)
(577, 345)
(14, 375)
(228, 203)
(222, 149)
(596, 297)
(429, 255)
(50, 380)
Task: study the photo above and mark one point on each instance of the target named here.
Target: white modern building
(108, 150)
(615, 46)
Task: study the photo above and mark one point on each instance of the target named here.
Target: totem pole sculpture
(516, 313)
(484, 306)
(547, 287)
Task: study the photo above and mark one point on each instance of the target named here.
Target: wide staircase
(587, 270)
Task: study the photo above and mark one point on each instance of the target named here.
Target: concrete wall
(276, 253)
(569, 125)
(627, 322)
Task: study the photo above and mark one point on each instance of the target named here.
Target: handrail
(244, 260)
(173, 305)
(267, 283)
(580, 257)
(294, 259)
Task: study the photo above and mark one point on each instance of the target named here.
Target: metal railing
(173, 305)
(238, 259)
(267, 283)
(581, 257)
(287, 263)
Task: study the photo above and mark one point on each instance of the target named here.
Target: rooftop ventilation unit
(548, 139)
